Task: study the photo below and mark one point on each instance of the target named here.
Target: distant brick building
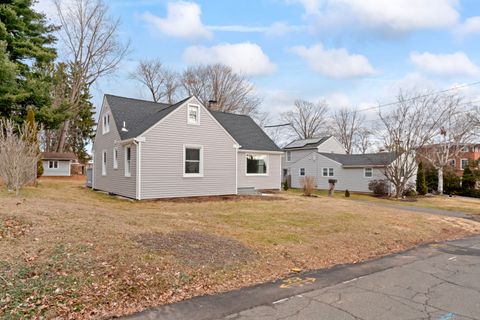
(468, 152)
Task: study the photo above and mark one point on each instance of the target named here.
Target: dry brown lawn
(70, 252)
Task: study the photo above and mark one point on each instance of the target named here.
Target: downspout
(236, 147)
(138, 169)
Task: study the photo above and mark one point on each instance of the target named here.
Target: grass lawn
(70, 252)
(461, 204)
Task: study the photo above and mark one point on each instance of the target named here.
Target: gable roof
(140, 115)
(245, 131)
(58, 156)
(359, 160)
(305, 144)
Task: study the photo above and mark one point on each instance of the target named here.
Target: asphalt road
(443, 286)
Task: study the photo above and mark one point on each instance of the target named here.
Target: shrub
(285, 184)
(431, 178)
(347, 194)
(451, 182)
(378, 187)
(421, 181)
(468, 180)
(474, 193)
(308, 185)
(410, 191)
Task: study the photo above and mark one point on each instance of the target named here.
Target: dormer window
(106, 123)
(193, 116)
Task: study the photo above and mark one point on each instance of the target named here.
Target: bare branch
(307, 120)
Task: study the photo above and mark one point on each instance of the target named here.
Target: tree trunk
(63, 136)
(440, 181)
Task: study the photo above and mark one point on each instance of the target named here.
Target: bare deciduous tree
(18, 155)
(307, 119)
(92, 46)
(412, 124)
(456, 130)
(347, 124)
(163, 84)
(363, 141)
(231, 91)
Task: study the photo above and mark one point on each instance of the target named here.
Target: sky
(350, 53)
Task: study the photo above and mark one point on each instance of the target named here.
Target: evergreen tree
(468, 180)
(431, 178)
(28, 40)
(422, 188)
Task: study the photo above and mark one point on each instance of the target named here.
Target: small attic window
(193, 116)
(106, 123)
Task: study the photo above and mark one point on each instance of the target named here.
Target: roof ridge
(137, 99)
(235, 114)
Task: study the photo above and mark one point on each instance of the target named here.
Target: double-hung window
(464, 163)
(193, 161)
(451, 162)
(368, 172)
(301, 172)
(53, 164)
(328, 172)
(106, 123)
(257, 164)
(193, 116)
(115, 158)
(104, 163)
(128, 161)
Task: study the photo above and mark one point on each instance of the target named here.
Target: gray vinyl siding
(115, 181)
(63, 169)
(162, 159)
(270, 181)
(347, 178)
(332, 145)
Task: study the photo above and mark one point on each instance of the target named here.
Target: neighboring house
(467, 152)
(58, 164)
(326, 159)
(148, 150)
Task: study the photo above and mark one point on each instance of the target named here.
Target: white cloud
(182, 21)
(275, 29)
(471, 26)
(245, 58)
(455, 64)
(392, 15)
(335, 63)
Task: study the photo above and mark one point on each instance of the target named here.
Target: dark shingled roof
(305, 144)
(356, 160)
(58, 156)
(245, 131)
(140, 115)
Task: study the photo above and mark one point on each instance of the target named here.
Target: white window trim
(53, 164)
(104, 163)
(461, 163)
(192, 175)
(365, 173)
(300, 172)
(115, 157)
(190, 105)
(452, 161)
(328, 172)
(257, 174)
(288, 156)
(106, 122)
(128, 166)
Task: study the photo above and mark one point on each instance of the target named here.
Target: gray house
(58, 164)
(325, 159)
(147, 150)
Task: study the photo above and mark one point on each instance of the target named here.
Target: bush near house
(308, 185)
(378, 187)
(451, 182)
(431, 178)
(285, 185)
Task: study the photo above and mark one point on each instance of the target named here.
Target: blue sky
(350, 52)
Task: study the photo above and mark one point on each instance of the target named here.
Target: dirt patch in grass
(198, 249)
(13, 227)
